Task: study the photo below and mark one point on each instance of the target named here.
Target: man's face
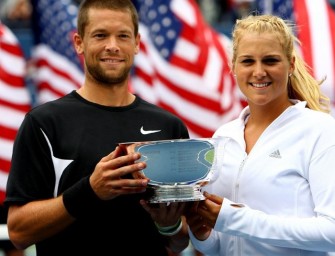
(109, 46)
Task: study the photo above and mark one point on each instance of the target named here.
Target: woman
(274, 193)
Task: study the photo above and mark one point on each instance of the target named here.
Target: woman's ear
(292, 65)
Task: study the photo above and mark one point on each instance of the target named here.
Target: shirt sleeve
(312, 233)
(31, 176)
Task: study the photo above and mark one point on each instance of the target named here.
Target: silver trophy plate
(177, 169)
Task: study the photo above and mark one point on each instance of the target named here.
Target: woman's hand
(209, 209)
(197, 224)
(203, 215)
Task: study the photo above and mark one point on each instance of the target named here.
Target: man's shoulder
(53, 105)
(151, 107)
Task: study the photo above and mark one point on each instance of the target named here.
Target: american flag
(315, 21)
(55, 67)
(15, 99)
(183, 65)
(282, 8)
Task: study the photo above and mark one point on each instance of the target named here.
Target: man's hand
(108, 180)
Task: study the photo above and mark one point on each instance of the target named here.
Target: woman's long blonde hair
(301, 85)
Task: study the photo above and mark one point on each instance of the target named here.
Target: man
(68, 192)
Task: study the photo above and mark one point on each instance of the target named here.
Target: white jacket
(286, 186)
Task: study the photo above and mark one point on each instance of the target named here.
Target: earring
(290, 74)
(234, 75)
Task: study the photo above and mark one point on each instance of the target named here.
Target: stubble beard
(101, 77)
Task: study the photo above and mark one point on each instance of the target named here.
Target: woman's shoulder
(229, 128)
(317, 117)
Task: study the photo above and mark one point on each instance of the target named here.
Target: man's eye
(124, 36)
(100, 36)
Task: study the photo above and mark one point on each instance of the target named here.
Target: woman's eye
(247, 61)
(271, 61)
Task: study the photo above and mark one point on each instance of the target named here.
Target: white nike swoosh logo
(149, 131)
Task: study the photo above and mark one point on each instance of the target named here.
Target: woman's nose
(259, 71)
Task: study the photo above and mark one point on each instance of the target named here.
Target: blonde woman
(274, 193)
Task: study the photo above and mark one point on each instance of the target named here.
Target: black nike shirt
(60, 142)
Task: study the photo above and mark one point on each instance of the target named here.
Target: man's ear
(78, 43)
(137, 49)
(137, 41)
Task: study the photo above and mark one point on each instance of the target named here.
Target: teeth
(260, 85)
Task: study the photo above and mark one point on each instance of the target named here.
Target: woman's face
(262, 69)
